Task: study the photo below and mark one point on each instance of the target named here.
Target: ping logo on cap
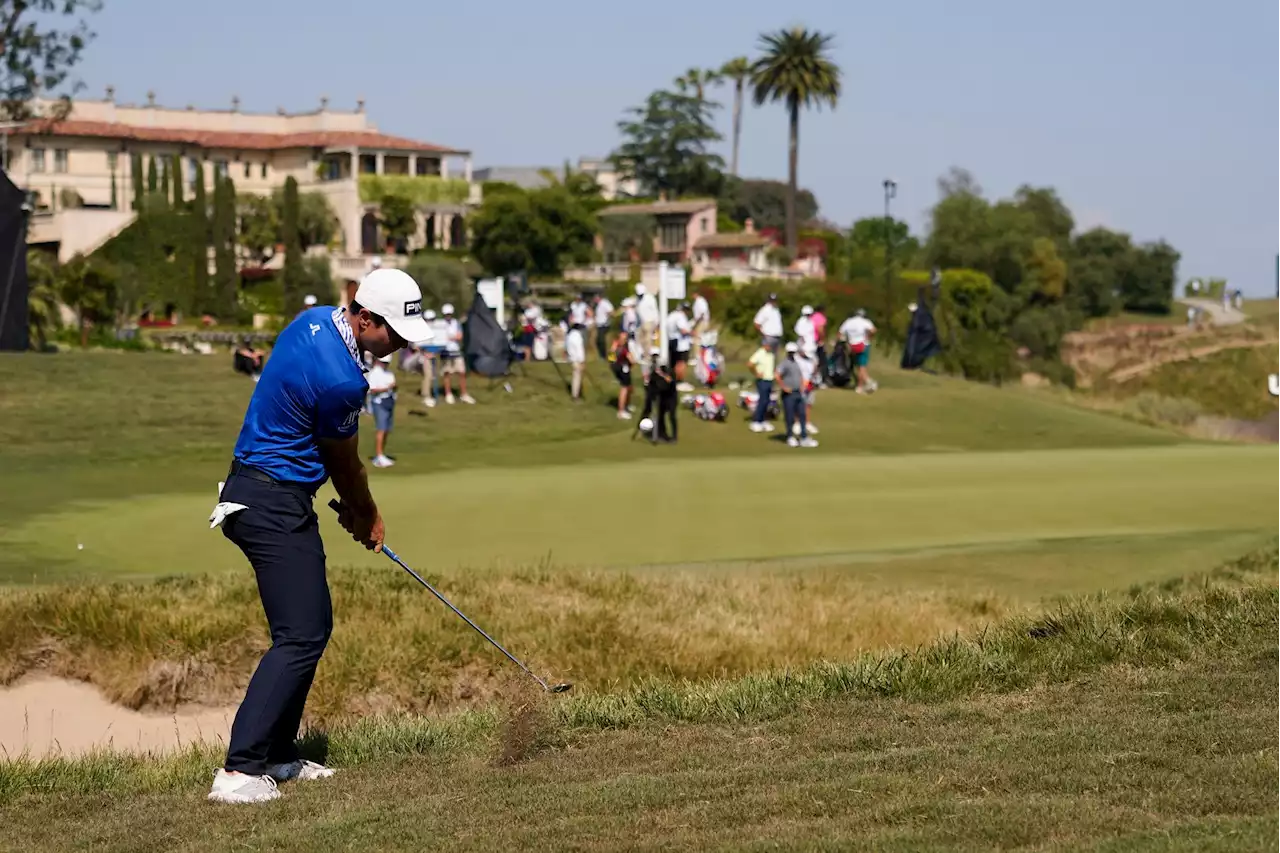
(413, 309)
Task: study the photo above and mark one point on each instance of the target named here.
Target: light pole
(890, 190)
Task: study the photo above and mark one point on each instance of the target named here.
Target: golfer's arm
(342, 460)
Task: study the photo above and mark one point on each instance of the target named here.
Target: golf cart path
(45, 716)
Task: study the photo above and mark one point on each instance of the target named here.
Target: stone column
(444, 168)
(466, 169)
(378, 164)
(413, 164)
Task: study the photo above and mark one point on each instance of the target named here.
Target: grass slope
(1144, 722)
(1231, 383)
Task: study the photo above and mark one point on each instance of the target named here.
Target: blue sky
(1156, 118)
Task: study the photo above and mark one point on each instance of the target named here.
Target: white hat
(791, 347)
(428, 314)
(386, 359)
(640, 290)
(655, 351)
(808, 309)
(309, 300)
(376, 263)
(446, 309)
(628, 302)
(395, 296)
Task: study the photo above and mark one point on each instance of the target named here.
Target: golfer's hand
(367, 530)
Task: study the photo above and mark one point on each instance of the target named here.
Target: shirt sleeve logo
(351, 419)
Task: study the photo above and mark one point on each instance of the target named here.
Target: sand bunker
(50, 716)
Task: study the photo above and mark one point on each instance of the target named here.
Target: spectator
(453, 364)
(647, 309)
(858, 332)
(660, 390)
(603, 320)
(809, 372)
(382, 396)
(819, 320)
(701, 318)
(428, 350)
(620, 356)
(248, 359)
(804, 332)
(791, 383)
(578, 312)
(679, 340)
(768, 322)
(575, 348)
(763, 364)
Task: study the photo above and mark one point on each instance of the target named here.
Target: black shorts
(624, 377)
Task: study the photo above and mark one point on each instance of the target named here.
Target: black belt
(239, 469)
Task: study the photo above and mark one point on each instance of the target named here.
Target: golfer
(299, 431)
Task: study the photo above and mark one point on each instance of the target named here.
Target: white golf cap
(395, 296)
(386, 359)
(447, 308)
(640, 290)
(808, 309)
(791, 347)
(428, 314)
(655, 351)
(309, 300)
(376, 263)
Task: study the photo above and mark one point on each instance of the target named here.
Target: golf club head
(562, 687)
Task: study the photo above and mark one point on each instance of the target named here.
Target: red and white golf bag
(710, 363)
(708, 407)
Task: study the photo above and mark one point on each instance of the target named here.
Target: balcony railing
(419, 189)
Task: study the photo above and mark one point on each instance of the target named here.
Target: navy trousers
(280, 534)
(764, 388)
(794, 410)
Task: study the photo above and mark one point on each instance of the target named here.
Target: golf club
(562, 687)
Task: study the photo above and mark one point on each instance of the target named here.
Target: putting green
(715, 510)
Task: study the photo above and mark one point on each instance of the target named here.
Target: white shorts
(575, 348)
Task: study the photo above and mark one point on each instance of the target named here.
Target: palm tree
(698, 79)
(42, 298)
(796, 70)
(738, 70)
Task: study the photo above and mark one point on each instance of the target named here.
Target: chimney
(111, 94)
(749, 226)
(235, 103)
(281, 111)
(360, 105)
(324, 103)
(151, 98)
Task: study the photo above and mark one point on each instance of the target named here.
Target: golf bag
(710, 363)
(839, 365)
(748, 399)
(707, 407)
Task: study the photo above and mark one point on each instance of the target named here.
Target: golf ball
(79, 546)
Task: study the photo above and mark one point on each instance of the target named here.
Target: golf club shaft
(401, 563)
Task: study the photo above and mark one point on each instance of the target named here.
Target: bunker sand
(45, 716)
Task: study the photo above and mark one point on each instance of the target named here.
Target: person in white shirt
(382, 398)
(647, 309)
(809, 372)
(701, 319)
(453, 364)
(679, 339)
(603, 318)
(575, 348)
(858, 331)
(806, 334)
(578, 312)
(768, 322)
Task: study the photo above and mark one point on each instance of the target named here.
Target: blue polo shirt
(311, 388)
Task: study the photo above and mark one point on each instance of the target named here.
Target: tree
(396, 215)
(797, 70)
(260, 223)
(202, 300)
(294, 274)
(665, 146)
(42, 298)
(764, 202)
(1152, 273)
(87, 287)
(135, 170)
(175, 172)
(39, 56)
(697, 80)
(115, 195)
(736, 70)
(539, 231)
(1045, 273)
(164, 180)
(442, 279)
(224, 241)
(153, 179)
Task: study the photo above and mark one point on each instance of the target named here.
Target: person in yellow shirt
(763, 364)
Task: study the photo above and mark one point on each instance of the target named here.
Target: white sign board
(673, 286)
(492, 291)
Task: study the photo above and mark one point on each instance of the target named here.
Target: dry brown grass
(395, 649)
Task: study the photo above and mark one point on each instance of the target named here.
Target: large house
(78, 169)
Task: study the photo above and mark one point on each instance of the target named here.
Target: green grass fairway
(798, 505)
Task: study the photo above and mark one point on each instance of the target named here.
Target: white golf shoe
(301, 770)
(242, 788)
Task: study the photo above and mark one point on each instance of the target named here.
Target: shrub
(442, 280)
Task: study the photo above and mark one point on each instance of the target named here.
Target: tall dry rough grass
(396, 649)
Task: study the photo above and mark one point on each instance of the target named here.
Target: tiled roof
(230, 139)
(732, 240)
(658, 208)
